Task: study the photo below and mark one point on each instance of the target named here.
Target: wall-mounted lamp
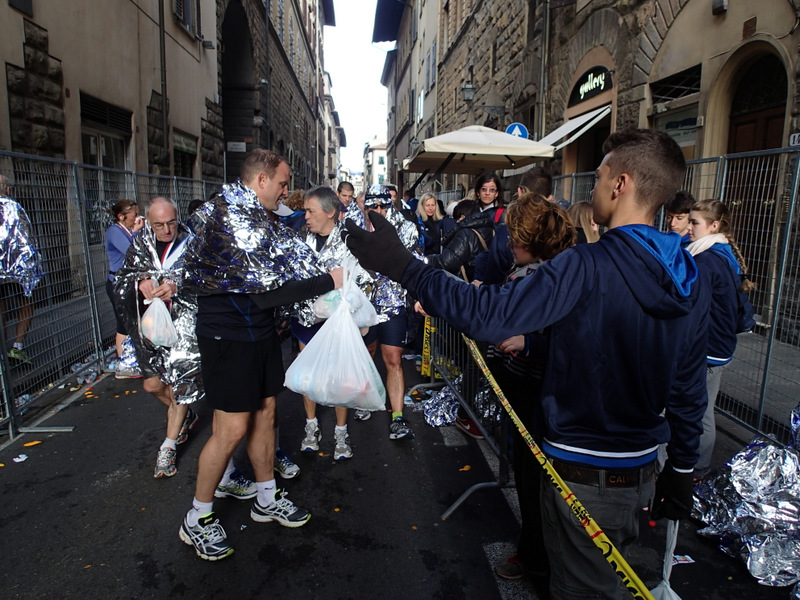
(468, 94)
(208, 44)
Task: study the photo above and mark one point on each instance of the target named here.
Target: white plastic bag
(360, 307)
(335, 368)
(156, 324)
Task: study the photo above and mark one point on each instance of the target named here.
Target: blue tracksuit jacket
(629, 320)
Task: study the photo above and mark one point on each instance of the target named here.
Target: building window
(187, 13)
(676, 86)
(184, 152)
(381, 160)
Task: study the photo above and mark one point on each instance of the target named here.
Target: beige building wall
(112, 53)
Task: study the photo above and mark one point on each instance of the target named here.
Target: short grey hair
(327, 198)
(158, 200)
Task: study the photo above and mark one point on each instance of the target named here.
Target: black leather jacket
(464, 242)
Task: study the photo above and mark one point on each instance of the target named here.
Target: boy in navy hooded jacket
(628, 321)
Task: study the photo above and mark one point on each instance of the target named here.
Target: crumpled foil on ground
(751, 507)
(440, 409)
(19, 260)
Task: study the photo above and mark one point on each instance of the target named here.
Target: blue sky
(355, 66)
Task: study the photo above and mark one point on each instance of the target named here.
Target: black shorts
(390, 333)
(239, 375)
(121, 329)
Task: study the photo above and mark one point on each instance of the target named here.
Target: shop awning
(575, 128)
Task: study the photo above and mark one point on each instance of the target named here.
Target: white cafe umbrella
(474, 150)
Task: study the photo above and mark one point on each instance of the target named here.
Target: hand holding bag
(156, 324)
(335, 368)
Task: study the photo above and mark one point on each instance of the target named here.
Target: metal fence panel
(72, 322)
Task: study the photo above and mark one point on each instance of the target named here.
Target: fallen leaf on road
(465, 468)
(336, 510)
(414, 527)
(33, 443)
(20, 458)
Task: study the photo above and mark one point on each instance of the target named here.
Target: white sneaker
(310, 443)
(342, 450)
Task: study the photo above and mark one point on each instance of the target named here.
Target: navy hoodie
(629, 320)
(720, 268)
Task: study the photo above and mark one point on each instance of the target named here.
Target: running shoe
(511, 568)
(282, 510)
(342, 450)
(399, 429)
(19, 356)
(188, 424)
(362, 415)
(207, 537)
(469, 427)
(285, 466)
(165, 463)
(239, 487)
(310, 443)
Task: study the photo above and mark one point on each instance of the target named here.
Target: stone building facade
(186, 92)
(720, 78)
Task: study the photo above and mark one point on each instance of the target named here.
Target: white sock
(340, 428)
(168, 443)
(314, 421)
(229, 470)
(199, 509)
(266, 492)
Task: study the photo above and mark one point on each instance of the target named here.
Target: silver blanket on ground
(751, 507)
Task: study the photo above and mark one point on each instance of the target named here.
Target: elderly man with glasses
(152, 269)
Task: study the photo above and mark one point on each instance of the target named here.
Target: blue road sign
(518, 130)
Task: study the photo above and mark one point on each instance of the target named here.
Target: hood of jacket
(657, 270)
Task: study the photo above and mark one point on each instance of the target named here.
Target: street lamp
(468, 94)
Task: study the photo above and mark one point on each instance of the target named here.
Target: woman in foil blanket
(389, 299)
(323, 233)
(152, 269)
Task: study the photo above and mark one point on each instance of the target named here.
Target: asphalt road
(83, 517)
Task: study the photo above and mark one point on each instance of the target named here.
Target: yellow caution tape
(621, 567)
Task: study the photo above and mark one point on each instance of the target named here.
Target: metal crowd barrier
(72, 324)
(760, 386)
(452, 362)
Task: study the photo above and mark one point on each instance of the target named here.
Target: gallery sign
(592, 83)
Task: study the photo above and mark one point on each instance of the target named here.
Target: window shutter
(179, 9)
(198, 30)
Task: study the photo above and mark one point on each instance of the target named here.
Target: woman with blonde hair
(583, 218)
(430, 220)
(720, 261)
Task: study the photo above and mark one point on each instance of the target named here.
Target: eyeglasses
(167, 225)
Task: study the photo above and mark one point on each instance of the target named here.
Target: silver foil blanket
(179, 365)
(751, 507)
(441, 408)
(240, 249)
(333, 254)
(19, 260)
(390, 296)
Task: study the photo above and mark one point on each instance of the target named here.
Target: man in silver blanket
(152, 269)
(242, 265)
